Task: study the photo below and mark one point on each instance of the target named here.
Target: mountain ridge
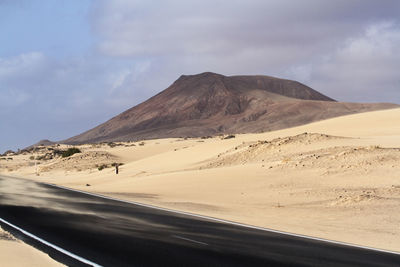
(209, 103)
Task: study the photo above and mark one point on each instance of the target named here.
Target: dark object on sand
(70, 151)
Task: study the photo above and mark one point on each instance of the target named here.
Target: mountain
(43, 142)
(210, 103)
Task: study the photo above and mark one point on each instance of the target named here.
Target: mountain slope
(210, 103)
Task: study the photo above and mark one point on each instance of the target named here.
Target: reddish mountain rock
(210, 103)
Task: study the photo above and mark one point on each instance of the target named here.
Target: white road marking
(70, 254)
(191, 240)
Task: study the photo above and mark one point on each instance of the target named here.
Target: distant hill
(210, 103)
(43, 142)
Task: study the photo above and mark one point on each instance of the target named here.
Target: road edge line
(46, 243)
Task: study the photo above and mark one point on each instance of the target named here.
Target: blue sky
(66, 66)
(57, 28)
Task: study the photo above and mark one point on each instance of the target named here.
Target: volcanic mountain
(209, 104)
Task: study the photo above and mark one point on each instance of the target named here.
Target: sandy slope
(16, 253)
(337, 179)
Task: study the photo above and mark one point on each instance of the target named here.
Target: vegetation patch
(112, 144)
(229, 136)
(70, 151)
(103, 166)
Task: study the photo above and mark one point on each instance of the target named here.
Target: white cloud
(25, 64)
(68, 88)
(300, 73)
(364, 68)
(210, 28)
(13, 71)
(118, 80)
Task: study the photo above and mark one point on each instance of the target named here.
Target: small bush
(70, 151)
(101, 167)
(31, 157)
(111, 144)
(40, 157)
(57, 152)
(229, 136)
(8, 153)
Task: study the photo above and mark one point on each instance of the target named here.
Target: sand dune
(81, 161)
(12, 249)
(335, 179)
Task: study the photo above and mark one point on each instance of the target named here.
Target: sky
(69, 65)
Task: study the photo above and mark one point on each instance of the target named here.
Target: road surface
(114, 233)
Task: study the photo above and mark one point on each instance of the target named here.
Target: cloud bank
(348, 50)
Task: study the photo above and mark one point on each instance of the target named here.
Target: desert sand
(16, 253)
(337, 179)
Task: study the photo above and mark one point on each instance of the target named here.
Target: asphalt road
(114, 233)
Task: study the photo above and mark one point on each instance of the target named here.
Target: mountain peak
(204, 75)
(208, 82)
